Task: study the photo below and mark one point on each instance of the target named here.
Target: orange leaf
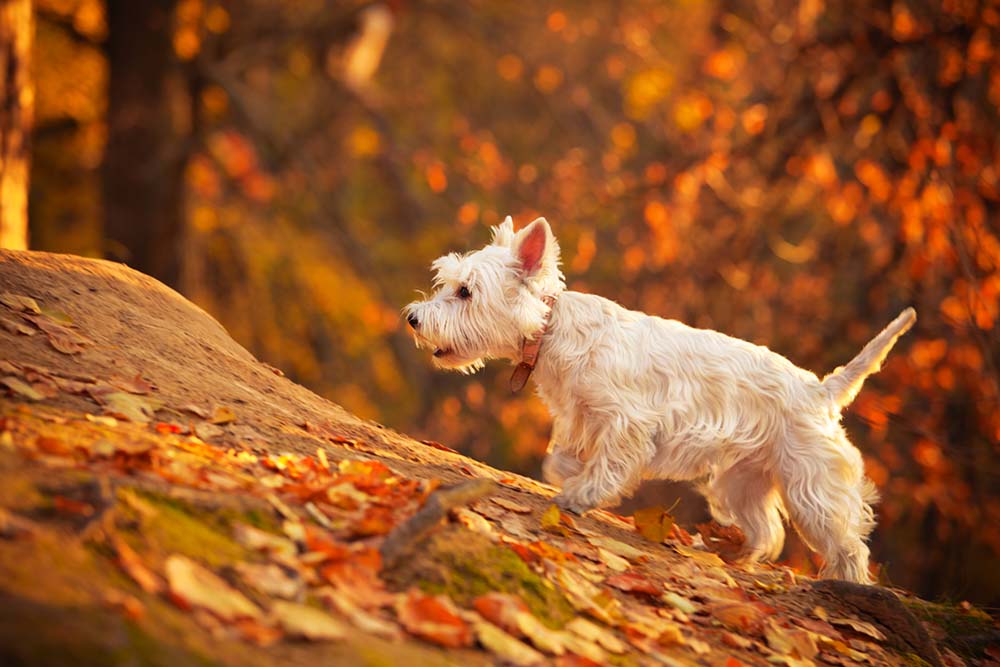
(634, 583)
(433, 618)
(133, 566)
(653, 523)
(500, 609)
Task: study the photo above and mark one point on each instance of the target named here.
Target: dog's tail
(845, 382)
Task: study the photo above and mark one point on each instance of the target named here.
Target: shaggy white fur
(634, 396)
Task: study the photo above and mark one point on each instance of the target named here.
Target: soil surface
(127, 412)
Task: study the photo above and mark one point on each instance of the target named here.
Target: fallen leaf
(617, 547)
(473, 521)
(255, 632)
(551, 520)
(195, 410)
(20, 303)
(270, 579)
(725, 540)
(16, 327)
(679, 602)
(735, 641)
(131, 407)
(51, 445)
(585, 596)
(57, 316)
(103, 420)
(793, 642)
(128, 605)
(136, 385)
(299, 620)
(22, 388)
(222, 415)
(438, 445)
(742, 617)
(790, 661)
(641, 622)
(859, 626)
(770, 587)
(511, 505)
(776, 637)
(574, 660)
(132, 565)
(597, 634)
(509, 649)
(65, 340)
(702, 557)
(195, 586)
(614, 562)
(359, 617)
(433, 618)
(653, 523)
(510, 613)
(634, 583)
(65, 505)
(207, 431)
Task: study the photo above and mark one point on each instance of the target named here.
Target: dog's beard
(450, 357)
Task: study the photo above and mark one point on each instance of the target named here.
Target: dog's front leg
(613, 469)
(560, 462)
(560, 465)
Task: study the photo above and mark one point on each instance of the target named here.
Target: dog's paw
(569, 504)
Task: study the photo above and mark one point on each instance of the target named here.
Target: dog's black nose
(412, 319)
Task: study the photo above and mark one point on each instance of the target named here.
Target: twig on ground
(436, 508)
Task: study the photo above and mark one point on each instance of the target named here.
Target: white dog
(634, 396)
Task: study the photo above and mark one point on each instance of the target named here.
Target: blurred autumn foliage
(791, 173)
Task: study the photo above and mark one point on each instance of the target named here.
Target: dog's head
(488, 301)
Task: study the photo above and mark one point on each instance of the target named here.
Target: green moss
(199, 533)
(966, 631)
(463, 565)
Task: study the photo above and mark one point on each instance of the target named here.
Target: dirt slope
(167, 498)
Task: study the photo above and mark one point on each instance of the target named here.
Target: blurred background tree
(16, 106)
(792, 173)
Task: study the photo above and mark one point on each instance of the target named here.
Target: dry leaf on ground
(434, 618)
(222, 415)
(634, 583)
(22, 388)
(299, 620)
(270, 579)
(653, 523)
(15, 327)
(859, 626)
(17, 302)
(133, 566)
(131, 407)
(193, 585)
(506, 647)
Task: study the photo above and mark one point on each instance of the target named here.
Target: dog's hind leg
(747, 497)
(829, 502)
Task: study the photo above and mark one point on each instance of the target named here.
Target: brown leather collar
(529, 352)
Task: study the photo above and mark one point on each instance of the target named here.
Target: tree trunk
(144, 160)
(16, 105)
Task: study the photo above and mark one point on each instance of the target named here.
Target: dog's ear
(503, 234)
(536, 248)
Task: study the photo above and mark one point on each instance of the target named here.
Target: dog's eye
(463, 292)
